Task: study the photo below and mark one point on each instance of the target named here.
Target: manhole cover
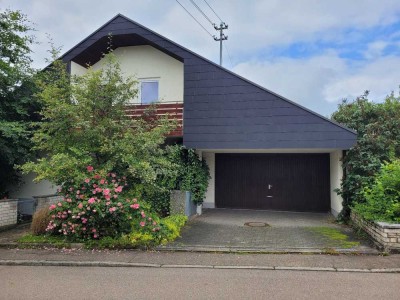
(256, 224)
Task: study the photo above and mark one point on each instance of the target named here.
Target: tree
(378, 141)
(85, 123)
(17, 106)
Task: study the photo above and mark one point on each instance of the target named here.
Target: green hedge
(382, 198)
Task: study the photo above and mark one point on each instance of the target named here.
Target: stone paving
(286, 231)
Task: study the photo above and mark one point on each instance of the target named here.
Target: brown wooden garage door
(293, 182)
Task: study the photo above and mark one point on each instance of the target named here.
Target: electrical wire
(227, 52)
(199, 9)
(194, 18)
(212, 10)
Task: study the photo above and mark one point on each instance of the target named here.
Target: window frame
(148, 80)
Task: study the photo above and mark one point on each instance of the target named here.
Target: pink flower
(97, 176)
(135, 206)
(113, 175)
(78, 192)
(87, 180)
(94, 210)
(112, 209)
(53, 206)
(106, 192)
(102, 181)
(143, 214)
(80, 205)
(94, 230)
(59, 204)
(91, 200)
(118, 189)
(108, 203)
(142, 224)
(95, 236)
(89, 168)
(69, 200)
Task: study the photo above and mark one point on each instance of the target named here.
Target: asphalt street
(23, 282)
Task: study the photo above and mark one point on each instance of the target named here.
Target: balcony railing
(174, 110)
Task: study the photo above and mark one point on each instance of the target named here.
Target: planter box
(385, 235)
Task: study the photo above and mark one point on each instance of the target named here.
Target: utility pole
(222, 37)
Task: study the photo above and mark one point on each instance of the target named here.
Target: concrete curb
(268, 250)
(147, 265)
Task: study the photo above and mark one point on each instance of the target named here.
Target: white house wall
(336, 178)
(147, 63)
(209, 201)
(28, 188)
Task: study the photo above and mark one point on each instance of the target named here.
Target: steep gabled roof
(222, 109)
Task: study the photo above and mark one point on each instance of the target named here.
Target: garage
(287, 182)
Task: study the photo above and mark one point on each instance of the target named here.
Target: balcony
(174, 110)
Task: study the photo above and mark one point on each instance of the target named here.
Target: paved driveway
(228, 229)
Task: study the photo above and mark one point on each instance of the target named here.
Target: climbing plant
(378, 141)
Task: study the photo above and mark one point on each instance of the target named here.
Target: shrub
(382, 198)
(170, 228)
(97, 207)
(40, 220)
(193, 172)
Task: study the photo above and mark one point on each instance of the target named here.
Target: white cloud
(256, 28)
(321, 82)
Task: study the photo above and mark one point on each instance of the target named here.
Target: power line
(199, 9)
(212, 10)
(195, 19)
(229, 56)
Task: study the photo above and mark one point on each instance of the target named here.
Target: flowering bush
(98, 207)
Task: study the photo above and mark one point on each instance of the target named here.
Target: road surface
(23, 282)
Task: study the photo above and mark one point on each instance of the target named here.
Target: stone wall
(386, 236)
(181, 203)
(8, 212)
(46, 201)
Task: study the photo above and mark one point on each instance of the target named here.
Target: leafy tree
(17, 107)
(378, 141)
(85, 123)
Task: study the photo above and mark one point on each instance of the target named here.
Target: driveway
(255, 230)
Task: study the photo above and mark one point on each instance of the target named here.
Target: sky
(314, 52)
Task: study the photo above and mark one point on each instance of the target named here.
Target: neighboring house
(263, 150)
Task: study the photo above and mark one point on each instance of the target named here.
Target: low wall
(386, 236)
(181, 203)
(8, 212)
(46, 201)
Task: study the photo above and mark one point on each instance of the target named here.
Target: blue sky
(314, 52)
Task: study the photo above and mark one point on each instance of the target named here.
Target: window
(148, 91)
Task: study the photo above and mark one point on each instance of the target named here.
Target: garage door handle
(269, 196)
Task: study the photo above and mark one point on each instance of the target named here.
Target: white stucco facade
(29, 189)
(147, 63)
(336, 172)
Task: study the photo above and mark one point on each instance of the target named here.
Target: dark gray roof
(223, 110)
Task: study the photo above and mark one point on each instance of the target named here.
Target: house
(263, 150)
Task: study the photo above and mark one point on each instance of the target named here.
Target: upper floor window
(148, 91)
